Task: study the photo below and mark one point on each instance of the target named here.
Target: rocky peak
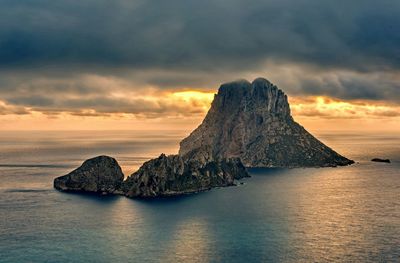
(243, 95)
(252, 121)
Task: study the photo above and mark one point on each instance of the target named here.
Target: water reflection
(332, 217)
(190, 242)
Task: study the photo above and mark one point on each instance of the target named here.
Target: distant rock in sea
(101, 175)
(380, 160)
(173, 175)
(252, 121)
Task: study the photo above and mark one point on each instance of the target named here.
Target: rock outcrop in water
(101, 175)
(252, 121)
(379, 160)
(175, 175)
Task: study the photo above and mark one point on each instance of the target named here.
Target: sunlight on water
(190, 243)
(344, 214)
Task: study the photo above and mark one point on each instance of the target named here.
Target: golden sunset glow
(197, 99)
(332, 108)
(184, 109)
(198, 96)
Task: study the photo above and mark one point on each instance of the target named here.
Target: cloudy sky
(132, 64)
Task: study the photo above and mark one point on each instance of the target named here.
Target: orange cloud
(325, 107)
(185, 109)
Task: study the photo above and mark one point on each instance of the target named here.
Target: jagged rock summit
(252, 121)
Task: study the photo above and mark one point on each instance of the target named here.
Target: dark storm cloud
(199, 34)
(65, 55)
(352, 87)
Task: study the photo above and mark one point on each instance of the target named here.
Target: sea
(343, 214)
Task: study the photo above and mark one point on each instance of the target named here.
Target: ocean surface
(345, 214)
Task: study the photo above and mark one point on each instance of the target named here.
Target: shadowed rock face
(101, 174)
(174, 175)
(252, 121)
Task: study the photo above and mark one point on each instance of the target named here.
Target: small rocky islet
(101, 174)
(380, 160)
(248, 125)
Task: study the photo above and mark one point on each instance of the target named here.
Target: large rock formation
(175, 175)
(249, 124)
(252, 121)
(101, 175)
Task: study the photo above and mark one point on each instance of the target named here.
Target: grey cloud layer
(344, 49)
(199, 34)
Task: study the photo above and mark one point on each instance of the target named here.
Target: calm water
(347, 214)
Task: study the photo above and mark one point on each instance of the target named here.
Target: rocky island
(248, 125)
(252, 121)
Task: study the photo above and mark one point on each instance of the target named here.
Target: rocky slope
(252, 121)
(174, 175)
(101, 175)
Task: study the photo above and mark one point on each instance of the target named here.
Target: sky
(133, 64)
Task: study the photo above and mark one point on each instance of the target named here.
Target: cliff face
(174, 175)
(252, 121)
